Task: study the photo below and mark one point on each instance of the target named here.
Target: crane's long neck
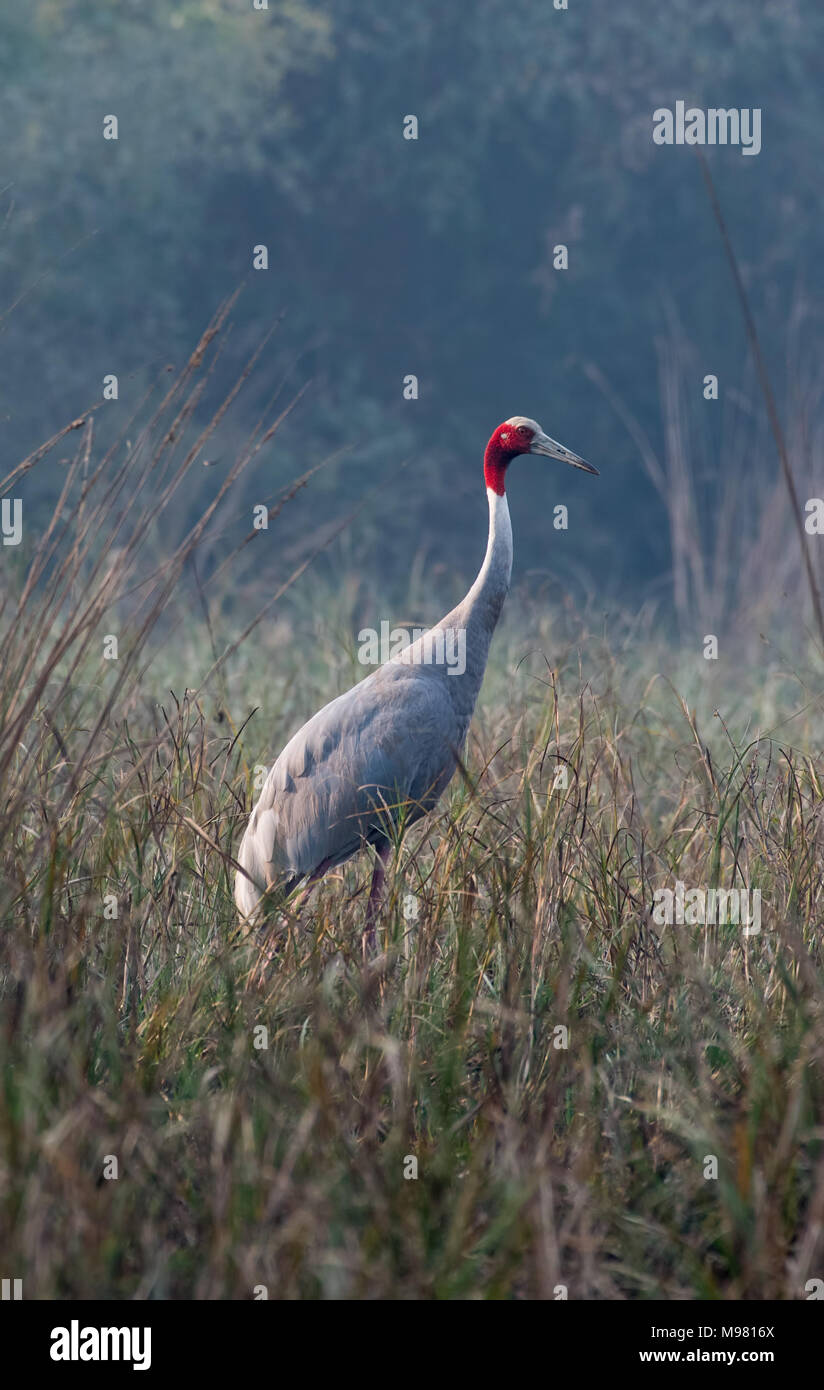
(482, 605)
(476, 616)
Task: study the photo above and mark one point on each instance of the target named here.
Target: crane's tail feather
(259, 888)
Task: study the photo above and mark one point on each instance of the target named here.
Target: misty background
(431, 257)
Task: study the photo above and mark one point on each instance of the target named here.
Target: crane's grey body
(391, 742)
(386, 749)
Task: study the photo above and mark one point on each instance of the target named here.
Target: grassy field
(523, 1094)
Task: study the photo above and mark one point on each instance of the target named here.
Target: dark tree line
(431, 256)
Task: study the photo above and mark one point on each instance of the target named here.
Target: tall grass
(523, 1092)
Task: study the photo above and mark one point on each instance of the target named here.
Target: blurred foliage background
(387, 256)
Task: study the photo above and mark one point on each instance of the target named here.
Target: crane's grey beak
(551, 449)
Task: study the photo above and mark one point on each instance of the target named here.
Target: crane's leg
(375, 899)
(312, 880)
(271, 949)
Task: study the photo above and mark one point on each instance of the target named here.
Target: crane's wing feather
(390, 741)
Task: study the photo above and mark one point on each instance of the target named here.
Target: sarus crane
(381, 754)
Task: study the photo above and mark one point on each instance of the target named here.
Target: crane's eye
(522, 429)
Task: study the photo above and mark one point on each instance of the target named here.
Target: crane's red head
(520, 435)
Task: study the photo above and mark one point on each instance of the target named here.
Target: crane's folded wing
(388, 742)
